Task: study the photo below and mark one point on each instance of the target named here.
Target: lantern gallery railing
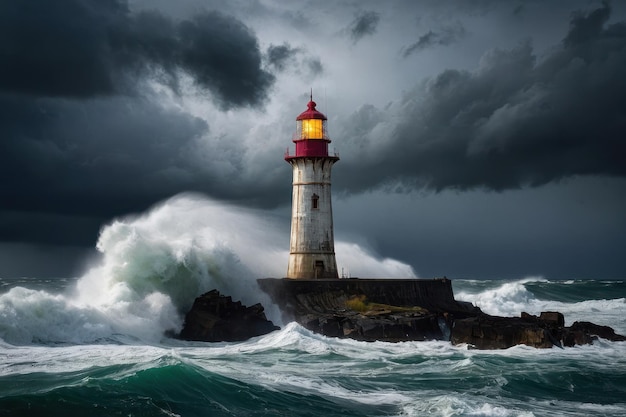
(288, 155)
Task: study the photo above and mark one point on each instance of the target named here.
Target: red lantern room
(311, 137)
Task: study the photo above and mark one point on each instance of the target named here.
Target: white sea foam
(512, 298)
(155, 264)
(508, 299)
(368, 376)
(295, 338)
(454, 405)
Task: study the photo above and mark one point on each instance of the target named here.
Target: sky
(478, 139)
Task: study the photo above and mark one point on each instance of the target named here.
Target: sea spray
(153, 266)
(362, 264)
(509, 298)
(29, 316)
(183, 247)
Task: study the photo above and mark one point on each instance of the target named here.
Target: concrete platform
(436, 295)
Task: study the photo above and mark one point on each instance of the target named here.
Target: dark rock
(386, 327)
(491, 332)
(330, 326)
(605, 332)
(553, 317)
(217, 318)
(577, 337)
(396, 310)
(547, 330)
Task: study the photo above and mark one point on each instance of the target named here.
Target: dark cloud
(364, 23)
(444, 37)
(83, 139)
(315, 66)
(585, 27)
(285, 57)
(71, 165)
(223, 55)
(279, 56)
(512, 122)
(48, 228)
(576, 229)
(45, 261)
(519, 10)
(99, 157)
(58, 48)
(74, 48)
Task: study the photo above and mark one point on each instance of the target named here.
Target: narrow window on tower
(314, 201)
(319, 269)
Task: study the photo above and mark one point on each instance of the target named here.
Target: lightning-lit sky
(478, 139)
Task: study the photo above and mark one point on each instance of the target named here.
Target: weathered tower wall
(312, 248)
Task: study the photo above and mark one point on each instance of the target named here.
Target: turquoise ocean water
(58, 357)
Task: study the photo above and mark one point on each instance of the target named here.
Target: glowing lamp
(311, 128)
(311, 124)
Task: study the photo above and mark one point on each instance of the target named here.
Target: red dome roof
(311, 112)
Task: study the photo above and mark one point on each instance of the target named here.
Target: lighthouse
(312, 244)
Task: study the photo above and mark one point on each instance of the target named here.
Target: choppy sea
(79, 370)
(95, 346)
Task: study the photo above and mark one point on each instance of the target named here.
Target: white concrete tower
(312, 245)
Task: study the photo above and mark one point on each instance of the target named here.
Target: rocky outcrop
(400, 310)
(491, 332)
(370, 309)
(391, 310)
(383, 323)
(544, 331)
(386, 327)
(217, 318)
(577, 332)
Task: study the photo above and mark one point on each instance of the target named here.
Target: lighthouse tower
(312, 245)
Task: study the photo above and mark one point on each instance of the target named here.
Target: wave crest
(152, 268)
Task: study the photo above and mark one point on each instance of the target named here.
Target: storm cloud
(84, 135)
(75, 48)
(364, 24)
(445, 36)
(109, 106)
(514, 121)
(279, 55)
